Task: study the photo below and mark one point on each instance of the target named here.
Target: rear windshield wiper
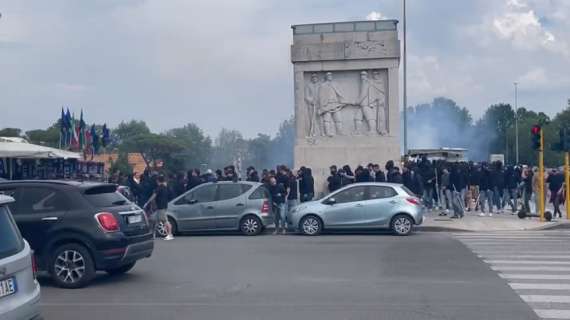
(119, 202)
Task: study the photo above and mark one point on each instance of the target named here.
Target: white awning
(33, 151)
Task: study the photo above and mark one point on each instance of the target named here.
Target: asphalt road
(371, 276)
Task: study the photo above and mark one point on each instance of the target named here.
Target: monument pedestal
(346, 95)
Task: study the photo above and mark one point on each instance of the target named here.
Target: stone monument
(346, 95)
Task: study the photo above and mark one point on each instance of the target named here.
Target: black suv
(77, 228)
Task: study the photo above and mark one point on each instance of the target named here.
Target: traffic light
(536, 133)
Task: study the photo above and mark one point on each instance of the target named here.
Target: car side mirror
(192, 201)
(330, 201)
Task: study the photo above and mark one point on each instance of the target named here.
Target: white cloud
(375, 15)
(523, 28)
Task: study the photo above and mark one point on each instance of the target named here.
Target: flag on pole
(75, 136)
(68, 129)
(95, 139)
(81, 133)
(62, 130)
(106, 136)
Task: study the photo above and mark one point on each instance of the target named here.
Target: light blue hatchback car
(360, 206)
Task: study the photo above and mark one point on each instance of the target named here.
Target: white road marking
(530, 276)
(541, 262)
(530, 268)
(553, 313)
(540, 286)
(545, 298)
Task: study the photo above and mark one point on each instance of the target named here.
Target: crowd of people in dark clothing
(452, 187)
(461, 186)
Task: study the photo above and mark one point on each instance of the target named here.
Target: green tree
(196, 146)
(10, 132)
(154, 147)
(128, 130)
(493, 126)
(48, 137)
(259, 151)
(283, 144)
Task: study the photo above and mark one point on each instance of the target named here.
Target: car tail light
(414, 201)
(34, 265)
(265, 208)
(107, 221)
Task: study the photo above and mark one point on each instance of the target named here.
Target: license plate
(134, 219)
(7, 287)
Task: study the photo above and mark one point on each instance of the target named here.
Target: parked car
(360, 206)
(78, 228)
(19, 290)
(242, 206)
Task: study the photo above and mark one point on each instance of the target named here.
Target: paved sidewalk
(498, 222)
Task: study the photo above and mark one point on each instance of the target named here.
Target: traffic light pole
(567, 181)
(541, 177)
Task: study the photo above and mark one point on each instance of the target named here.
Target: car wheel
(250, 226)
(311, 225)
(160, 230)
(122, 269)
(71, 266)
(402, 225)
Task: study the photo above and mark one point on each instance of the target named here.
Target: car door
(378, 205)
(37, 211)
(229, 204)
(190, 210)
(346, 211)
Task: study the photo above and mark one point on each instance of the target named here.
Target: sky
(225, 63)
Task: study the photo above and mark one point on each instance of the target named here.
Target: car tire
(160, 230)
(71, 266)
(311, 225)
(122, 269)
(250, 225)
(402, 224)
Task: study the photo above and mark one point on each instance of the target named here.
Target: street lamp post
(516, 124)
(405, 98)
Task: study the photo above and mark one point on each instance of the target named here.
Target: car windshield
(105, 196)
(10, 238)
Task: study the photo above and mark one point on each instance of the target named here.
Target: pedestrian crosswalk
(535, 264)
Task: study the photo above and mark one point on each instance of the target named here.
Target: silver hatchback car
(19, 290)
(243, 206)
(360, 206)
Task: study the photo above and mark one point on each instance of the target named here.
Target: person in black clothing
(555, 181)
(510, 190)
(293, 194)
(252, 175)
(135, 188)
(379, 175)
(411, 181)
(219, 175)
(334, 180)
(473, 195)
(498, 184)
(397, 176)
(160, 198)
(347, 176)
(194, 179)
(428, 177)
(362, 174)
(485, 189)
(278, 196)
(306, 184)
